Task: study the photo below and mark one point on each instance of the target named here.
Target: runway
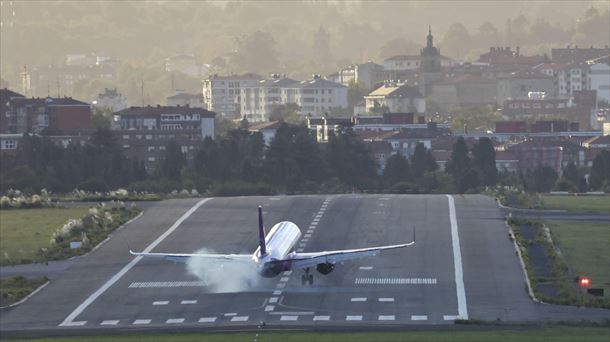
(463, 265)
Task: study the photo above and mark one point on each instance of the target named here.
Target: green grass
(24, 231)
(596, 204)
(14, 289)
(586, 249)
(562, 333)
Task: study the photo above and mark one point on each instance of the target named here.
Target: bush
(404, 188)
(238, 188)
(93, 184)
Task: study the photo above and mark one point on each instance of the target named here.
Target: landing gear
(307, 278)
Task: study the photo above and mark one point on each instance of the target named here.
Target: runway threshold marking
(126, 268)
(457, 261)
(395, 281)
(142, 321)
(207, 320)
(175, 321)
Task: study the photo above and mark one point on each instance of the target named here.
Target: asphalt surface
(431, 283)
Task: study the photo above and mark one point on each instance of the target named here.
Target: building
(464, 89)
(111, 100)
(402, 62)
(430, 66)
(316, 96)
(520, 85)
(506, 56)
(185, 100)
(5, 99)
(62, 79)
(394, 97)
(221, 94)
(259, 98)
(578, 55)
(324, 125)
(57, 116)
(267, 129)
(599, 79)
(144, 132)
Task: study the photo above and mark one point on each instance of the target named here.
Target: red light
(585, 282)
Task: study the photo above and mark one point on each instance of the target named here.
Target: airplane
(275, 253)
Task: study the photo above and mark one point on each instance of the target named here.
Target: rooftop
(158, 110)
(396, 91)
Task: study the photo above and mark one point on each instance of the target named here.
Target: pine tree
(485, 161)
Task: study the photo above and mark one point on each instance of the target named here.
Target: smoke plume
(223, 276)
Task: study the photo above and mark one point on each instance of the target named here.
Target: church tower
(430, 55)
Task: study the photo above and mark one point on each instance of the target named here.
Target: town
(544, 114)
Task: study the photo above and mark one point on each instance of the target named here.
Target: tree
(485, 161)
(457, 40)
(321, 46)
(540, 179)
(285, 112)
(396, 170)
(171, 166)
(570, 173)
(460, 167)
(600, 170)
(256, 52)
(397, 46)
(419, 163)
(355, 94)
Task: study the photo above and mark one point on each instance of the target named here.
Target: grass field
(586, 249)
(15, 288)
(590, 334)
(24, 231)
(597, 204)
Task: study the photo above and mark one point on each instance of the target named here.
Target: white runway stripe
(419, 317)
(451, 317)
(161, 302)
(229, 314)
(240, 319)
(395, 281)
(386, 318)
(358, 299)
(353, 318)
(74, 324)
(166, 284)
(207, 320)
(269, 308)
(110, 322)
(175, 321)
(141, 321)
(321, 318)
(289, 318)
(188, 302)
(366, 268)
(386, 299)
(273, 300)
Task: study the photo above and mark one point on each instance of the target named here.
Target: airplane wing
(179, 257)
(304, 260)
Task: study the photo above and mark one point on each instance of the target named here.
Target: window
(148, 136)
(10, 144)
(151, 148)
(126, 137)
(161, 148)
(151, 159)
(184, 149)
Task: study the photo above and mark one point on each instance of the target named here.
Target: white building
(258, 99)
(599, 79)
(221, 94)
(398, 98)
(402, 62)
(110, 99)
(316, 96)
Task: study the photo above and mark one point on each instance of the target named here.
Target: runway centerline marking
(142, 321)
(366, 267)
(240, 318)
(321, 318)
(353, 318)
(175, 321)
(386, 318)
(386, 299)
(419, 317)
(188, 302)
(161, 302)
(131, 264)
(110, 322)
(457, 262)
(289, 318)
(358, 299)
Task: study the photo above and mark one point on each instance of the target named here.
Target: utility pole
(142, 89)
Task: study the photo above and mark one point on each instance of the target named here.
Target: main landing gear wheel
(307, 278)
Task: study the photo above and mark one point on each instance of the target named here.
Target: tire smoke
(223, 276)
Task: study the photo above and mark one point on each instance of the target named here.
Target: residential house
(5, 99)
(578, 55)
(520, 85)
(144, 132)
(259, 98)
(58, 116)
(267, 129)
(464, 89)
(395, 97)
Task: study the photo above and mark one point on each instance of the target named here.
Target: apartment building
(221, 94)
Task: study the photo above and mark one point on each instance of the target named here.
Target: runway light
(585, 282)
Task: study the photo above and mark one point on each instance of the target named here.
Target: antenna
(142, 89)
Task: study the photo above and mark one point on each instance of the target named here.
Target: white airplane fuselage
(279, 243)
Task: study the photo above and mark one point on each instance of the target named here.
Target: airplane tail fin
(261, 232)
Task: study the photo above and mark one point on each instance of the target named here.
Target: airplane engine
(325, 268)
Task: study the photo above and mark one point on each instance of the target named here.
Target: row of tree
(240, 163)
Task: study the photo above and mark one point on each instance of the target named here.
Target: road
(463, 265)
